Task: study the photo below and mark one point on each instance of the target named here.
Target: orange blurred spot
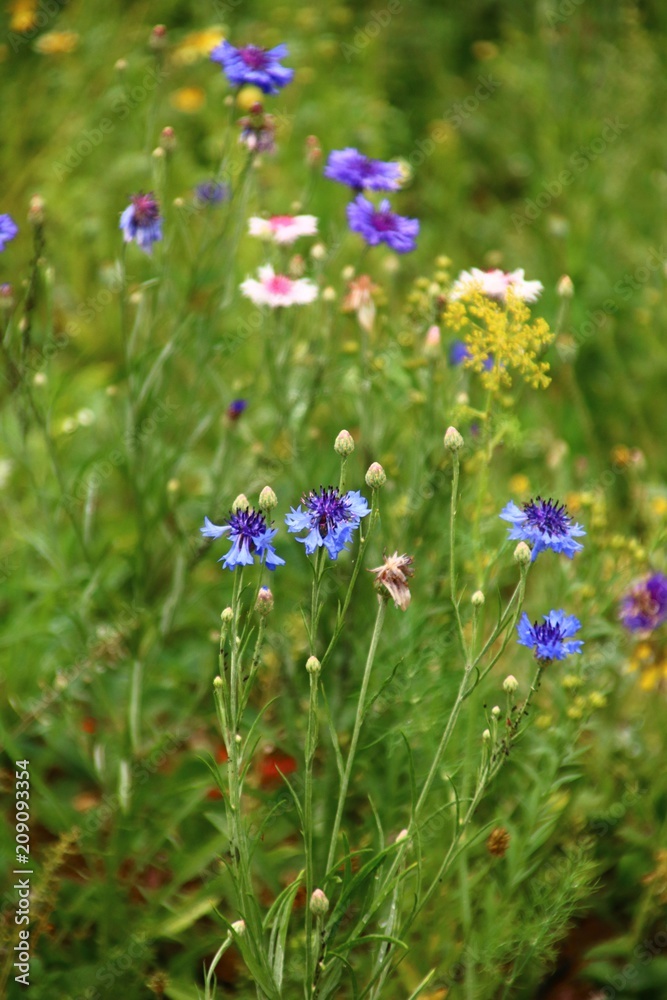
(275, 764)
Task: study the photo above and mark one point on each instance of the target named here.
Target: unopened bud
(313, 665)
(432, 342)
(401, 836)
(495, 711)
(376, 477)
(120, 65)
(264, 603)
(319, 904)
(36, 210)
(241, 503)
(217, 682)
(486, 735)
(267, 499)
(168, 139)
(227, 616)
(510, 684)
(158, 153)
(344, 444)
(522, 554)
(239, 927)
(329, 294)
(565, 288)
(453, 440)
(158, 38)
(477, 599)
(296, 266)
(318, 251)
(313, 151)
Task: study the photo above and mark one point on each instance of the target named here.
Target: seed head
(498, 842)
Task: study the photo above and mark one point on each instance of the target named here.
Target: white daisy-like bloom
(276, 290)
(495, 284)
(283, 229)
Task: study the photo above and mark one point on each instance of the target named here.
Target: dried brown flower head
(393, 575)
(498, 842)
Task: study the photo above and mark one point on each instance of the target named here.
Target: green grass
(116, 444)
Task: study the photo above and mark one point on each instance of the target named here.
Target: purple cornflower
(211, 193)
(252, 64)
(544, 524)
(8, 230)
(381, 225)
(329, 518)
(250, 535)
(551, 640)
(349, 166)
(458, 353)
(236, 408)
(141, 222)
(644, 606)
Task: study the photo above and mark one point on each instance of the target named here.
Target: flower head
(495, 284)
(551, 640)
(258, 131)
(359, 299)
(393, 576)
(283, 229)
(545, 524)
(329, 518)
(211, 193)
(8, 230)
(254, 65)
(349, 166)
(644, 606)
(236, 408)
(381, 225)
(250, 536)
(141, 222)
(278, 290)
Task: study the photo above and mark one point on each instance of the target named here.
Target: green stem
(311, 746)
(361, 706)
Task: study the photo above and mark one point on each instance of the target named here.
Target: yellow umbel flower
(501, 333)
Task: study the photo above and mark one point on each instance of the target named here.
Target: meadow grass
(324, 794)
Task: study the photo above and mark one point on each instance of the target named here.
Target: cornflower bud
(264, 603)
(267, 500)
(510, 684)
(313, 665)
(376, 477)
(227, 616)
(344, 444)
(522, 554)
(453, 440)
(565, 288)
(241, 503)
(477, 599)
(319, 904)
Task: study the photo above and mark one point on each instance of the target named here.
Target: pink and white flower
(495, 284)
(283, 228)
(276, 290)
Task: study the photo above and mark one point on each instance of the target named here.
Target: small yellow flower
(248, 96)
(188, 99)
(659, 506)
(23, 15)
(57, 43)
(197, 45)
(519, 484)
(504, 332)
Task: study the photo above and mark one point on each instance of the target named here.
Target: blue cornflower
(8, 230)
(250, 535)
(381, 225)
(236, 408)
(251, 64)
(349, 166)
(458, 353)
(329, 518)
(211, 193)
(544, 524)
(141, 222)
(644, 606)
(552, 640)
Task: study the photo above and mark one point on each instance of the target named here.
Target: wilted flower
(359, 299)
(329, 518)
(141, 222)
(276, 290)
(495, 284)
(546, 524)
(381, 225)
(254, 65)
(258, 130)
(551, 640)
(283, 229)
(644, 606)
(250, 535)
(349, 166)
(8, 230)
(393, 575)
